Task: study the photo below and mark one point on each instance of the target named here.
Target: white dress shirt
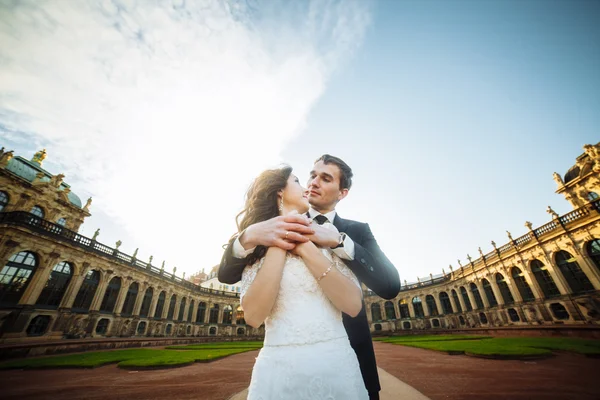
(346, 251)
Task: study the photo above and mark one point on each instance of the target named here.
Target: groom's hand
(283, 232)
(324, 236)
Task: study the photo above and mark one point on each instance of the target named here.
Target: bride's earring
(281, 205)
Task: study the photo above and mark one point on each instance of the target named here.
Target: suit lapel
(339, 223)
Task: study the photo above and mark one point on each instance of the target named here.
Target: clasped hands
(289, 232)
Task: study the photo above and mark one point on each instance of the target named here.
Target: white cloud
(165, 111)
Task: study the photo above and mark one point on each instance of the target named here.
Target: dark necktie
(321, 219)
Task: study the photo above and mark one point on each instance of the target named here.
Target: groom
(330, 180)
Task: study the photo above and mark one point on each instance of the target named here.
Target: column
(195, 311)
(121, 297)
(186, 310)
(97, 302)
(461, 300)
(165, 310)
(209, 305)
(72, 290)
(452, 302)
(496, 291)
(155, 295)
(533, 284)
(486, 303)
(137, 307)
(177, 308)
(588, 268)
(512, 286)
(38, 280)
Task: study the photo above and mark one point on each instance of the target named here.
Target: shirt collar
(330, 215)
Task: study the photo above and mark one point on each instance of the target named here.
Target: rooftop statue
(39, 157)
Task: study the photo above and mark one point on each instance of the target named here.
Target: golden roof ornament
(39, 157)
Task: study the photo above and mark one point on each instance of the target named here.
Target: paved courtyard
(436, 375)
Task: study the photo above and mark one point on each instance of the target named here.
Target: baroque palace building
(549, 277)
(56, 283)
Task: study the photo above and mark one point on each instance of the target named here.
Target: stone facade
(57, 284)
(548, 277)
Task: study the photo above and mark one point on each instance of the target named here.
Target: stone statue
(118, 244)
(509, 236)
(450, 267)
(87, 204)
(558, 179)
(529, 225)
(135, 252)
(459, 263)
(150, 260)
(6, 157)
(39, 157)
(480, 252)
(162, 267)
(96, 234)
(550, 211)
(174, 270)
(57, 180)
(592, 151)
(493, 244)
(470, 259)
(183, 276)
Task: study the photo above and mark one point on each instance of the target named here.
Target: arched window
(239, 319)
(522, 285)
(431, 306)
(404, 312)
(15, 276)
(86, 293)
(172, 304)
(465, 296)
(513, 315)
(169, 327)
(37, 211)
(559, 311)
(435, 322)
(141, 328)
(129, 302)
(61, 222)
(406, 325)
(575, 277)
(213, 317)
(240, 331)
(201, 313)
(418, 307)
(227, 314)
(145, 310)
(56, 285)
(212, 330)
(377, 327)
(3, 200)
(188, 330)
(476, 296)
(483, 318)
(102, 326)
(456, 301)
(181, 309)
(544, 279)
(160, 305)
(390, 312)
(38, 325)
(489, 293)
(593, 249)
(461, 319)
(445, 302)
(190, 311)
(376, 312)
(504, 289)
(111, 294)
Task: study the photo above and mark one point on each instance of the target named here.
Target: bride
(300, 296)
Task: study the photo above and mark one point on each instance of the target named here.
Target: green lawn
(219, 345)
(504, 347)
(130, 358)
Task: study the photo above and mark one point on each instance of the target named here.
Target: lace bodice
(302, 312)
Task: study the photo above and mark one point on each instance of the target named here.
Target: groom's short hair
(345, 170)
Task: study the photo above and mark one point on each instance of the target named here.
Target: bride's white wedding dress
(306, 352)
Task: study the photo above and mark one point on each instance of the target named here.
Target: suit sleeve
(231, 268)
(373, 268)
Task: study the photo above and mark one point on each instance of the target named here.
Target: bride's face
(295, 197)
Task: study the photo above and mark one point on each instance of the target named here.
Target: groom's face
(324, 186)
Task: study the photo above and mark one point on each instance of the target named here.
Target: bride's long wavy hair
(262, 203)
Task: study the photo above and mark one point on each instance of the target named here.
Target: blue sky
(453, 114)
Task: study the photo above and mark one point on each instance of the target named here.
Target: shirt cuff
(346, 251)
(239, 251)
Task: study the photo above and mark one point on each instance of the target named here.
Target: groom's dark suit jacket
(370, 266)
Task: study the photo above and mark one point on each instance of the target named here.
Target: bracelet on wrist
(324, 274)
